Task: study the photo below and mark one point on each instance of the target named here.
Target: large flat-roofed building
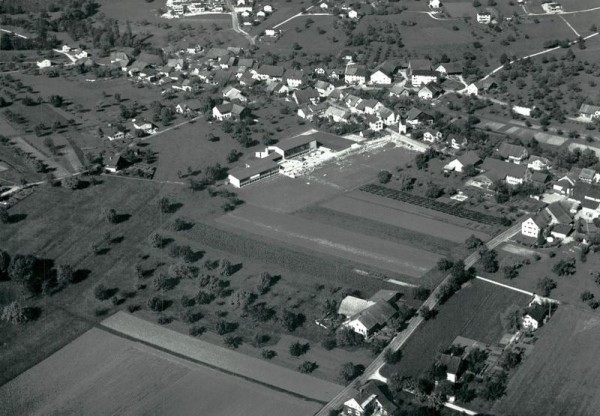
(294, 146)
(257, 170)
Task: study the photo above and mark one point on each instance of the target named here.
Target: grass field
(60, 225)
(318, 38)
(474, 312)
(100, 373)
(560, 376)
(373, 252)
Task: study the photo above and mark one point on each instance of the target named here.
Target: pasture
(473, 312)
(560, 376)
(393, 257)
(100, 373)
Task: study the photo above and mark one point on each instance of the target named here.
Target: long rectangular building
(260, 169)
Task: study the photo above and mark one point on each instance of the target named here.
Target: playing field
(102, 374)
(560, 376)
(352, 246)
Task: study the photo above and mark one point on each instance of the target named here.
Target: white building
(484, 17)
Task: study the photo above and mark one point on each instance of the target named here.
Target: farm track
(455, 210)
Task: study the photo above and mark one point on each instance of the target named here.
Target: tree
(14, 313)
(109, 215)
(444, 264)
(157, 241)
(433, 191)
(545, 285)
(56, 100)
(349, 371)
(489, 260)
(233, 156)
(421, 293)
(5, 42)
(565, 267)
(473, 242)
(64, 275)
(297, 348)
(265, 281)
(268, 354)
(427, 313)
(4, 215)
(4, 264)
(290, 320)
(586, 296)
(71, 182)
(307, 367)
(225, 267)
(347, 337)
(392, 357)
(494, 386)
(384, 176)
(510, 271)
(165, 205)
(101, 292)
(511, 318)
(21, 269)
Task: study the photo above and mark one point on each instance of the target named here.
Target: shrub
(196, 330)
(297, 349)
(157, 304)
(421, 293)
(545, 285)
(307, 367)
(384, 176)
(329, 343)
(268, 354)
(101, 292)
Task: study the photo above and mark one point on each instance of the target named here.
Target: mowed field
(390, 212)
(473, 312)
(101, 374)
(352, 246)
(560, 377)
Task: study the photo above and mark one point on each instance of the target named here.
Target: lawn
(568, 289)
(100, 373)
(473, 312)
(560, 376)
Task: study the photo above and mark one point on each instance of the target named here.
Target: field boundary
(232, 363)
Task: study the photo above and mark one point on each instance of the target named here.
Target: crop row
(456, 210)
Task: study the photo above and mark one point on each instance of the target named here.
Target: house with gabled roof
(337, 114)
(462, 161)
(453, 365)
(192, 106)
(383, 74)
(510, 173)
(370, 401)
(535, 224)
(269, 73)
(388, 116)
(398, 90)
(534, 317)
(374, 315)
(512, 152)
(324, 88)
(565, 185)
(355, 74)
(234, 94)
(416, 117)
(420, 77)
(375, 123)
(430, 91)
(294, 78)
(449, 68)
(419, 65)
(589, 112)
(306, 96)
(538, 163)
(369, 106)
(432, 136)
(229, 111)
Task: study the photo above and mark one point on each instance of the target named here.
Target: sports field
(101, 374)
(560, 377)
(352, 246)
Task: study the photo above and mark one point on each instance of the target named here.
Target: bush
(196, 330)
(268, 354)
(329, 343)
(384, 176)
(586, 296)
(473, 242)
(158, 304)
(545, 285)
(297, 349)
(427, 313)
(565, 267)
(444, 264)
(421, 293)
(307, 367)
(347, 337)
(232, 341)
(349, 371)
(101, 292)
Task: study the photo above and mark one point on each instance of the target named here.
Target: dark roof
(498, 169)
(434, 88)
(387, 67)
(559, 211)
(420, 64)
(373, 389)
(356, 70)
(293, 142)
(507, 150)
(331, 141)
(452, 363)
(469, 158)
(425, 72)
(452, 67)
(588, 203)
(271, 70)
(385, 295)
(294, 74)
(305, 95)
(583, 190)
(588, 109)
(376, 314)
(254, 168)
(538, 312)
(540, 177)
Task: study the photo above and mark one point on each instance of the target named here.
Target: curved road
(372, 371)
(235, 23)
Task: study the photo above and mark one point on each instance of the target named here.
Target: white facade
(485, 18)
(418, 80)
(529, 228)
(357, 327)
(379, 77)
(472, 89)
(529, 323)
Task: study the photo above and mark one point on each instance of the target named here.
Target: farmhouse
(450, 68)
(432, 136)
(294, 78)
(589, 112)
(416, 117)
(453, 366)
(254, 172)
(419, 65)
(430, 91)
(380, 309)
(587, 175)
(387, 115)
(369, 401)
(511, 173)
(456, 142)
(229, 111)
(324, 88)
(337, 114)
(533, 226)
(269, 73)
(368, 106)
(435, 4)
(534, 317)
(188, 107)
(462, 161)
(46, 63)
(423, 76)
(565, 185)
(398, 90)
(559, 213)
(306, 96)
(115, 163)
(512, 153)
(375, 123)
(522, 110)
(538, 163)
(309, 112)
(234, 94)
(484, 17)
(383, 74)
(552, 7)
(355, 74)
(482, 86)
(144, 126)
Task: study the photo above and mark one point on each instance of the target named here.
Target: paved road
(372, 371)
(236, 24)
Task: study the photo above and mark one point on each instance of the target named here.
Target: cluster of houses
(178, 8)
(367, 316)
